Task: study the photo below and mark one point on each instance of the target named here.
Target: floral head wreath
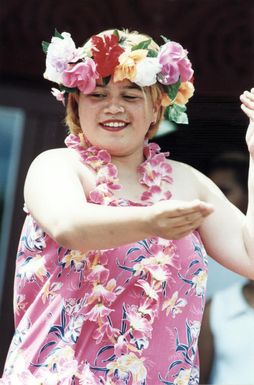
(113, 55)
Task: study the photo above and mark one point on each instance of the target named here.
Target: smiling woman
(111, 263)
(113, 114)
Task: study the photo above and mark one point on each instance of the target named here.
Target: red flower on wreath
(106, 52)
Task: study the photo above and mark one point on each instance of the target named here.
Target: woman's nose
(114, 107)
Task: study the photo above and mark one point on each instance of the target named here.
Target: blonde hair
(156, 90)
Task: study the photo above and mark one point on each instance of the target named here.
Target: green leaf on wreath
(143, 45)
(57, 34)
(165, 39)
(173, 89)
(67, 89)
(106, 80)
(152, 53)
(176, 113)
(116, 33)
(45, 46)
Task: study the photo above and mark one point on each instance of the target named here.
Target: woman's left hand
(247, 99)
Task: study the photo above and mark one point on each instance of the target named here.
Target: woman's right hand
(174, 219)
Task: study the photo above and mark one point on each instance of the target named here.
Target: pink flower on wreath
(82, 76)
(59, 95)
(175, 64)
(155, 194)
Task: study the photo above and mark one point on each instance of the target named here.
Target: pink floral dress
(122, 316)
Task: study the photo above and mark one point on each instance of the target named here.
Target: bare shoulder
(184, 169)
(180, 167)
(60, 159)
(193, 179)
(187, 181)
(59, 164)
(55, 155)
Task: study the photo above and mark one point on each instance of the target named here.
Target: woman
(111, 268)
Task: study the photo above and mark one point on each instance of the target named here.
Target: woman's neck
(128, 164)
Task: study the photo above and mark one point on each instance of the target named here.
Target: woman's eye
(130, 97)
(98, 95)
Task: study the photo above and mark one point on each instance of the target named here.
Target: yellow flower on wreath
(185, 92)
(128, 61)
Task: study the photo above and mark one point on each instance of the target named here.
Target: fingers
(187, 220)
(174, 219)
(247, 99)
(185, 225)
(187, 209)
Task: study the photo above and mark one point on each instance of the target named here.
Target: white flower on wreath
(61, 52)
(147, 70)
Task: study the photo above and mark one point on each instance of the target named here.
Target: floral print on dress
(123, 316)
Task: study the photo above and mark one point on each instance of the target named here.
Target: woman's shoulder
(57, 154)
(63, 158)
(181, 169)
(188, 179)
(59, 161)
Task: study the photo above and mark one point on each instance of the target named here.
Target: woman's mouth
(114, 125)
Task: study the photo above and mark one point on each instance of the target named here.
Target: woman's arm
(228, 234)
(55, 194)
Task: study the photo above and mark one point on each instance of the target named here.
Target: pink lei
(123, 316)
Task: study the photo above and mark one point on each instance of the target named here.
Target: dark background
(217, 33)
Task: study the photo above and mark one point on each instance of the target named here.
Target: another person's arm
(206, 346)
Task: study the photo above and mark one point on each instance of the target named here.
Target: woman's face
(117, 116)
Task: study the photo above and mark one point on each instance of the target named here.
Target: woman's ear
(76, 96)
(156, 110)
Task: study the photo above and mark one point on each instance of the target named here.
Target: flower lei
(152, 272)
(77, 69)
(154, 172)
